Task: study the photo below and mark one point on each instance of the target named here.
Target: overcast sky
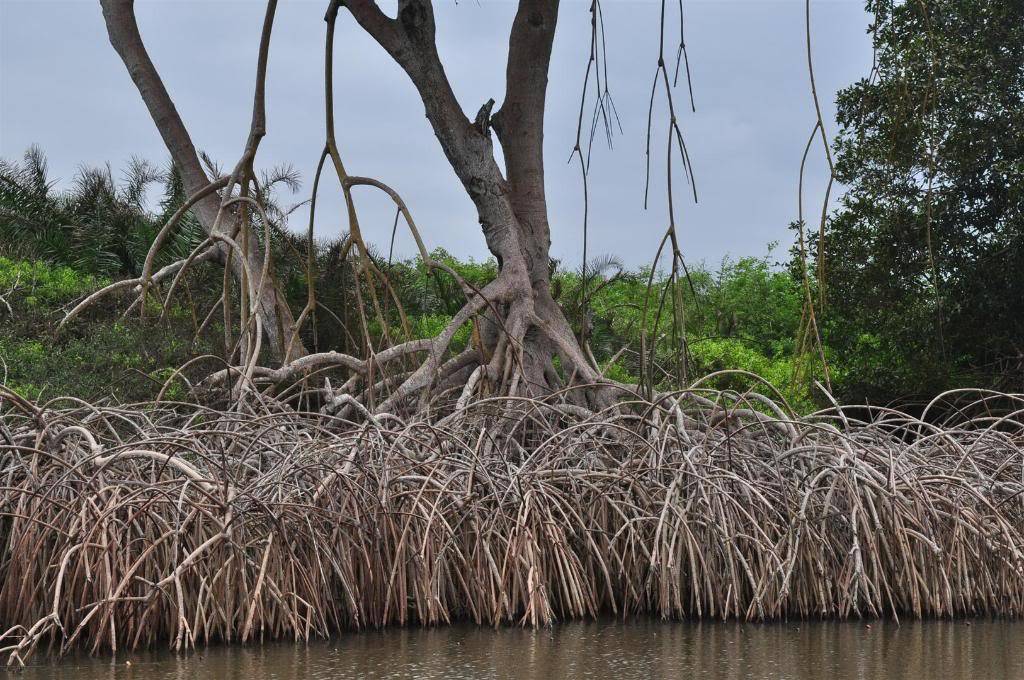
(62, 87)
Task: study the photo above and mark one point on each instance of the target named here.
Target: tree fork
(512, 210)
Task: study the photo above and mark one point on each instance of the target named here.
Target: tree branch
(123, 31)
(409, 40)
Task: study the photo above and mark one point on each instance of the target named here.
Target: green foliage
(431, 325)
(176, 389)
(742, 315)
(751, 299)
(98, 225)
(90, 366)
(45, 284)
(925, 254)
(101, 357)
(732, 354)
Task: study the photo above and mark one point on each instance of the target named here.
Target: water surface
(635, 650)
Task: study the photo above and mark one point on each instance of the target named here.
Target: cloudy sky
(62, 87)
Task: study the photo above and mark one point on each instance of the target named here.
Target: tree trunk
(123, 31)
(512, 210)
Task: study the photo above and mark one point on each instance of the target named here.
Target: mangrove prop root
(124, 527)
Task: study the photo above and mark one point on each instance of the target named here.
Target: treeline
(57, 246)
(923, 257)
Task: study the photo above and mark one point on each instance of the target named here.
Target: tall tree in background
(925, 255)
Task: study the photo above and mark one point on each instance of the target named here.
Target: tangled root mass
(127, 526)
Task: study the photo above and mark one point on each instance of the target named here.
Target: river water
(636, 650)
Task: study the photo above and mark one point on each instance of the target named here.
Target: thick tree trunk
(519, 125)
(512, 210)
(123, 31)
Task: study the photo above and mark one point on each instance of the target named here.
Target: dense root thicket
(128, 526)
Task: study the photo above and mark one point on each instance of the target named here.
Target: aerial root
(122, 527)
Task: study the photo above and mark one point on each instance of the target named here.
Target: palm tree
(98, 224)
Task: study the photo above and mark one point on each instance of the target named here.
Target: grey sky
(62, 86)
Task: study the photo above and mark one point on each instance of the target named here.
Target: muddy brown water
(620, 651)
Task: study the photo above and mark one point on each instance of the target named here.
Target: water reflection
(623, 651)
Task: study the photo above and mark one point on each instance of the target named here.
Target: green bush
(723, 354)
(39, 283)
(99, 356)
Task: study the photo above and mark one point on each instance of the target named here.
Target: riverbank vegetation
(216, 426)
(739, 313)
